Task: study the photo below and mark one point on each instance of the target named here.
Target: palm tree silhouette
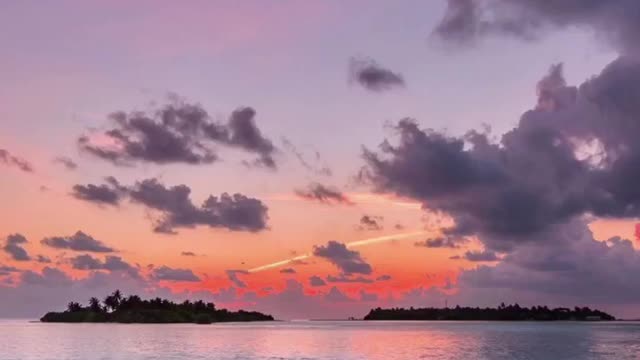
(113, 301)
(94, 305)
(74, 306)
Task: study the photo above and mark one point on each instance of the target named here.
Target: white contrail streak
(349, 245)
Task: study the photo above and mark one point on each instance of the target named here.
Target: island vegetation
(117, 308)
(502, 313)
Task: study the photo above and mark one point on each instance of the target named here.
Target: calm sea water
(321, 340)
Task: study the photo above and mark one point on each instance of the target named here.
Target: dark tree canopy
(133, 309)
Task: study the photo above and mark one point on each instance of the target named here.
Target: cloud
(8, 270)
(576, 268)
(372, 223)
(66, 162)
(106, 194)
(232, 275)
(86, 262)
(288, 271)
(111, 263)
(316, 168)
(77, 242)
(579, 141)
(179, 132)
(188, 253)
(13, 247)
(10, 160)
(347, 261)
(43, 259)
(383, 278)
(335, 295)
(480, 256)
(468, 20)
(51, 289)
(348, 279)
(323, 194)
(316, 281)
(371, 76)
(440, 242)
(235, 212)
(165, 273)
(244, 134)
(49, 277)
(368, 297)
(486, 188)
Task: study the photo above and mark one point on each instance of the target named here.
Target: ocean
(321, 340)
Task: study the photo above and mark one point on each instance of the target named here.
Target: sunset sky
(490, 158)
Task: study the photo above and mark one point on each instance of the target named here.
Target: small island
(502, 313)
(132, 309)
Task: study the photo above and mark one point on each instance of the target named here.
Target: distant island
(132, 309)
(502, 313)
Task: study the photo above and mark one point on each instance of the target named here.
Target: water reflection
(321, 340)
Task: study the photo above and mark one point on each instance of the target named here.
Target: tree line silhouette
(133, 309)
(502, 313)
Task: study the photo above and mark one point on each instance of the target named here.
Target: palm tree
(114, 300)
(110, 303)
(73, 307)
(94, 305)
(117, 295)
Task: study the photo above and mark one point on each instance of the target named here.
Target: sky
(318, 159)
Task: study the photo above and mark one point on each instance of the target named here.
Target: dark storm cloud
(370, 75)
(165, 273)
(232, 275)
(178, 133)
(68, 163)
(480, 256)
(108, 194)
(348, 279)
(347, 261)
(288, 271)
(316, 281)
(13, 247)
(235, 212)
(10, 160)
(323, 194)
(617, 21)
(370, 222)
(77, 242)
